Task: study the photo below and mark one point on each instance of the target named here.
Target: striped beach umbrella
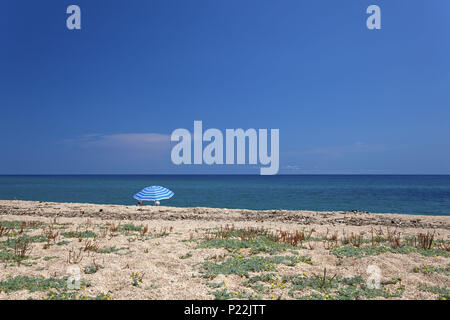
(154, 193)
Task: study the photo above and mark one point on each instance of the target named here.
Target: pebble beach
(148, 252)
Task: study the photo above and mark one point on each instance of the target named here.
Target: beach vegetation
(186, 256)
(58, 287)
(225, 294)
(366, 251)
(92, 268)
(214, 284)
(50, 234)
(222, 294)
(31, 284)
(323, 287)
(442, 292)
(266, 277)
(80, 234)
(129, 227)
(152, 286)
(259, 240)
(75, 256)
(90, 245)
(75, 296)
(4, 230)
(50, 258)
(137, 278)
(20, 225)
(111, 249)
(432, 269)
(20, 240)
(237, 264)
(251, 262)
(9, 256)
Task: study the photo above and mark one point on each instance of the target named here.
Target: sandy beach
(130, 252)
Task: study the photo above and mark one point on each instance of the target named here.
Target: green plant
(31, 284)
(222, 294)
(79, 234)
(267, 277)
(365, 251)
(92, 268)
(6, 255)
(317, 282)
(237, 264)
(186, 256)
(151, 287)
(21, 224)
(112, 249)
(74, 296)
(336, 288)
(442, 292)
(50, 258)
(136, 278)
(130, 227)
(432, 269)
(20, 240)
(214, 284)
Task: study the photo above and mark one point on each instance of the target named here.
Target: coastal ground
(130, 252)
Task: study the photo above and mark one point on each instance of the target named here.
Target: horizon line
(223, 174)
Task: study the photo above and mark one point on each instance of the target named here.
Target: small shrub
(136, 278)
(31, 284)
(242, 266)
(186, 256)
(79, 234)
(92, 268)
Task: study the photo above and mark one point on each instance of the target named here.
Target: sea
(407, 194)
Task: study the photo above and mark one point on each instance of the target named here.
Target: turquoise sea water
(425, 194)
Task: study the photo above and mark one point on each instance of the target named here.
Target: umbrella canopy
(154, 193)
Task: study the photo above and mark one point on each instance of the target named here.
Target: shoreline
(305, 217)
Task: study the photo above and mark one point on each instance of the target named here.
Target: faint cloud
(357, 147)
(290, 167)
(134, 141)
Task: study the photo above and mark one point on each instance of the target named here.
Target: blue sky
(104, 99)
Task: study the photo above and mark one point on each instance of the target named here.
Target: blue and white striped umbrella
(154, 193)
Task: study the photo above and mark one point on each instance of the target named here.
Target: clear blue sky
(104, 99)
